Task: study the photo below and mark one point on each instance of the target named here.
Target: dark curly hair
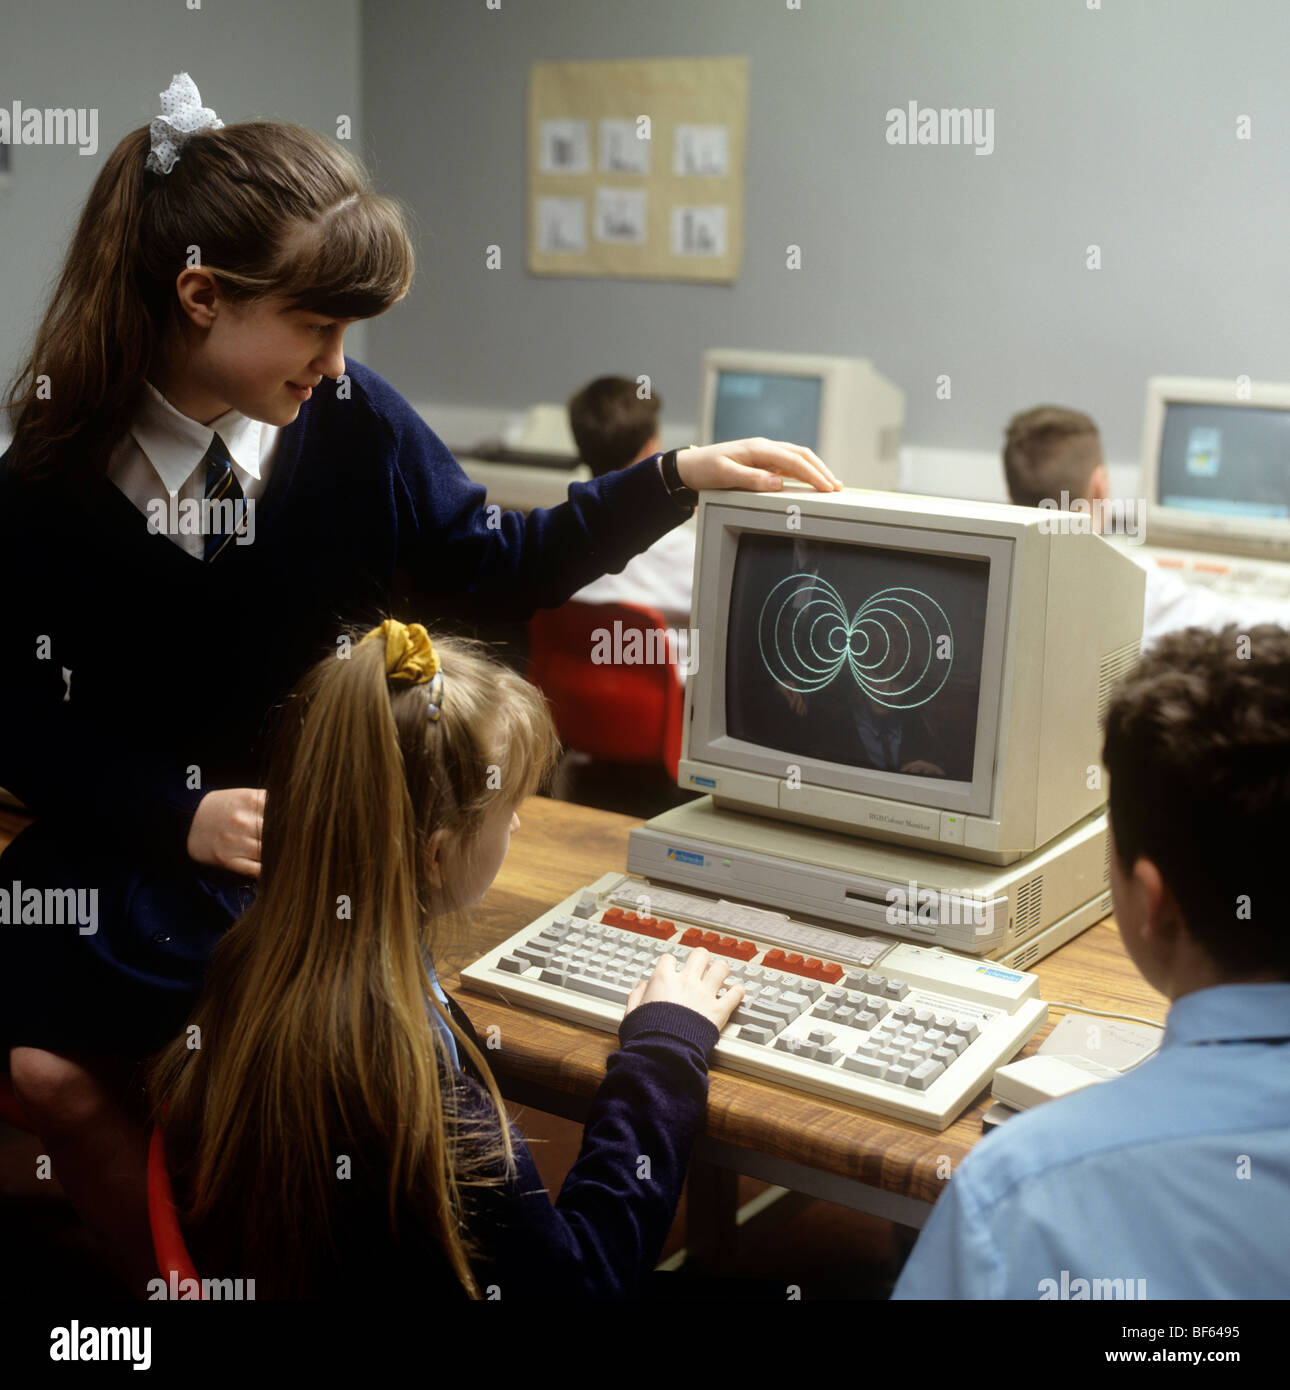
(1198, 751)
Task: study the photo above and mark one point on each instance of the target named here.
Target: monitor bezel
(1205, 530)
(709, 741)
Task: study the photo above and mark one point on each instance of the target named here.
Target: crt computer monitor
(1216, 465)
(929, 671)
(839, 407)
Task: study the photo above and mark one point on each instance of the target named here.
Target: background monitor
(1216, 465)
(837, 406)
(925, 670)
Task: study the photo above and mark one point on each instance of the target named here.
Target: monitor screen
(1225, 459)
(761, 403)
(860, 655)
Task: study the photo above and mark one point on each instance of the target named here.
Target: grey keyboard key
(597, 989)
(866, 1020)
(799, 1047)
(828, 1054)
(922, 1076)
(944, 1022)
(552, 977)
(586, 906)
(896, 989)
(756, 1032)
(899, 1074)
(855, 980)
(513, 964)
(969, 1029)
(835, 995)
(944, 1056)
(866, 1066)
(845, 1015)
(923, 1050)
(956, 1043)
(902, 1012)
(820, 1036)
(811, 988)
(923, 1017)
(535, 955)
(796, 999)
(875, 984)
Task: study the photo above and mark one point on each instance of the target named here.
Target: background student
(1049, 450)
(142, 759)
(1173, 1179)
(614, 429)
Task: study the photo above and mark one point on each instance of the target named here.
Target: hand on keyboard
(694, 984)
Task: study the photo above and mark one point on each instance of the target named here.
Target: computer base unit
(1015, 913)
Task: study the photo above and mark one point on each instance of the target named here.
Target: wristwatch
(683, 496)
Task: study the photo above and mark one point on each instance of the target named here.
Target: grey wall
(1115, 127)
(294, 60)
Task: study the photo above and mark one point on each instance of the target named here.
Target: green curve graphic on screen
(807, 637)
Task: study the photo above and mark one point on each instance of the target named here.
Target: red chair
(620, 709)
(167, 1238)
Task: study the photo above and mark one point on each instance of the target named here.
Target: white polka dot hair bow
(182, 115)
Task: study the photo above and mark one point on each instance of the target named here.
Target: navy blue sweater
(600, 1237)
(177, 667)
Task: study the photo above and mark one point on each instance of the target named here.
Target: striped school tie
(221, 486)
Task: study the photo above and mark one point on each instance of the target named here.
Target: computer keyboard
(1234, 575)
(907, 1031)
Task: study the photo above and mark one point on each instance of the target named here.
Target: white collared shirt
(1171, 603)
(661, 577)
(162, 454)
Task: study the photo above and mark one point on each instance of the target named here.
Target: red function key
(719, 945)
(813, 969)
(646, 926)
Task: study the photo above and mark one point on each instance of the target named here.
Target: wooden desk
(887, 1167)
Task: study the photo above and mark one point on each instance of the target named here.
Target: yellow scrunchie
(410, 657)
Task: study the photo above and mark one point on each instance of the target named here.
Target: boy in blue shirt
(1172, 1181)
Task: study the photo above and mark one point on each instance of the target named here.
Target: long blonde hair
(273, 210)
(313, 1030)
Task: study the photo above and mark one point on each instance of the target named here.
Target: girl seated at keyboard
(331, 1123)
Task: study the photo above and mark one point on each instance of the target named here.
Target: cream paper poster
(636, 168)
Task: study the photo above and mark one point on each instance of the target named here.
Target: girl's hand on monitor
(758, 465)
(227, 829)
(694, 984)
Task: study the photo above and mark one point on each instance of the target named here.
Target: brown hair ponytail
(314, 1033)
(269, 209)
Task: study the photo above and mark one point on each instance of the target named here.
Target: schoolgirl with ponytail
(331, 1123)
(190, 363)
